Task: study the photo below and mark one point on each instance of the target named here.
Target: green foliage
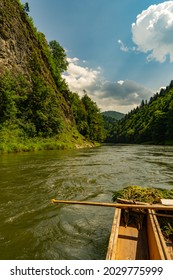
(113, 115)
(167, 227)
(36, 103)
(137, 193)
(79, 113)
(30, 110)
(152, 122)
(149, 195)
(33, 106)
(7, 99)
(96, 130)
(26, 7)
(88, 118)
(59, 56)
(43, 109)
(111, 128)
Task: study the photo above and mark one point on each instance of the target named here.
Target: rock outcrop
(21, 50)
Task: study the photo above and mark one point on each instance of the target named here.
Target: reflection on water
(33, 228)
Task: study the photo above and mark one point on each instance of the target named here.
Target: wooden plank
(157, 245)
(130, 201)
(117, 205)
(126, 242)
(132, 244)
(111, 252)
(163, 215)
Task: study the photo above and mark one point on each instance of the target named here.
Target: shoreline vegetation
(38, 111)
(60, 142)
(43, 144)
(37, 145)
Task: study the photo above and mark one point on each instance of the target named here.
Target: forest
(151, 122)
(37, 108)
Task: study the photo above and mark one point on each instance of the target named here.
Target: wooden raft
(126, 243)
(130, 243)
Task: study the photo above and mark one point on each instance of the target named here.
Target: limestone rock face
(20, 48)
(22, 51)
(15, 37)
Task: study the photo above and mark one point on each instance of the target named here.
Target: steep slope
(36, 109)
(152, 122)
(23, 49)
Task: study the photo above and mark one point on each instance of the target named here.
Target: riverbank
(14, 144)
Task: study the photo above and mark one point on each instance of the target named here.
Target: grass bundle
(151, 196)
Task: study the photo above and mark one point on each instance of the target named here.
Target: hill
(113, 114)
(37, 109)
(151, 122)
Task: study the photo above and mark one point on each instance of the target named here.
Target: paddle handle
(117, 205)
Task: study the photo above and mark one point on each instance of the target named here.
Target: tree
(26, 7)
(95, 121)
(59, 56)
(42, 109)
(142, 103)
(7, 99)
(158, 126)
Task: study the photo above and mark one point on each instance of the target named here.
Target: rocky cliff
(22, 50)
(35, 102)
(37, 109)
(16, 37)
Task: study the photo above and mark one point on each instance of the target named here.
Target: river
(33, 228)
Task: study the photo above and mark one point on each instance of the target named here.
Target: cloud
(122, 46)
(124, 92)
(152, 32)
(78, 77)
(119, 96)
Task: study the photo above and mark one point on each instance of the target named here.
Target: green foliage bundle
(143, 194)
(149, 195)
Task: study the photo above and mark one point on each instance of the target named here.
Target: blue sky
(119, 51)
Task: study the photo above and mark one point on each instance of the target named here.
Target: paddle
(117, 205)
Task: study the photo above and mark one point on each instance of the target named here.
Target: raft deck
(131, 243)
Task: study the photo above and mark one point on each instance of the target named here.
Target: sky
(119, 51)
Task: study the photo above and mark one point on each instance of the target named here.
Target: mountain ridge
(113, 114)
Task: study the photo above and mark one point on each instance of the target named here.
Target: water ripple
(33, 228)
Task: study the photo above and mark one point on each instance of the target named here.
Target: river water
(33, 228)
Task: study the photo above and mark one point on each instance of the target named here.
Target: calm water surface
(33, 228)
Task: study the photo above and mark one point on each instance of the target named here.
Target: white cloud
(120, 82)
(72, 60)
(120, 96)
(122, 46)
(152, 32)
(79, 77)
